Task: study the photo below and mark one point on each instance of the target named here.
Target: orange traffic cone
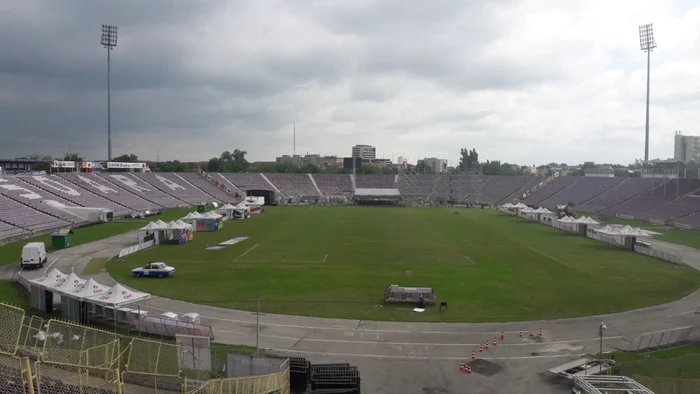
(494, 341)
(481, 348)
(521, 333)
(487, 345)
(503, 337)
(541, 333)
(469, 369)
(473, 355)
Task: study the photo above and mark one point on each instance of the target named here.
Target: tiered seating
(293, 185)
(498, 187)
(532, 182)
(34, 197)
(99, 186)
(175, 186)
(625, 190)
(133, 184)
(673, 189)
(549, 190)
(208, 187)
(691, 220)
(10, 233)
(674, 209)
(583, 189)
(374, 181)
(27, 218)
(415, 186)
(57, 186)
(248, 181)
(334, 184)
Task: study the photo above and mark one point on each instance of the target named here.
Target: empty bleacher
(498, 187)
(27, 194)
(101, 187)
(132, 183)
(22, 216)
(208, 187)
(334, 184)
(583, 189)
(177, 187)
(10, 233)
(628, 188)
(663, 193)
(374, 181)
(547, 191)
(529, 184)
(248, 181)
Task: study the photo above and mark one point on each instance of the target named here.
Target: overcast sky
(525, 82)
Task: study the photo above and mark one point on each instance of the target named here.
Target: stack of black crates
(341, 378)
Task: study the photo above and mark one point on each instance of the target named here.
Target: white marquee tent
(89, 289)
(116, 296)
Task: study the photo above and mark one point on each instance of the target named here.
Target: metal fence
(668, 385)
(659, 340)
(79, 359)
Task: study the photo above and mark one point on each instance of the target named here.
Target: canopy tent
(226, 206)
(567, 219)
(47, 281)
(543, 210)
(519, 206)
(161, 224)
(116, 296)
(211, 215)
(161, 231)
(507, 205)
(150, 226)
(192, 215)
(586, 220)
(89, 289)
(527, 210)
(70, 282)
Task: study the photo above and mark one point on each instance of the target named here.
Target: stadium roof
(377, 193)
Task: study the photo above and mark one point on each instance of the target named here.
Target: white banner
(91, 164)
(62, 164)
(130, 166)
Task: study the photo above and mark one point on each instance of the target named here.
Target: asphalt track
(421, 358)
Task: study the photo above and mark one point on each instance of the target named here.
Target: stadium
(505, 257)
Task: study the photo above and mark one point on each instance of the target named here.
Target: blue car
(157, 269)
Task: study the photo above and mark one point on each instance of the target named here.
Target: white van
(33, 255)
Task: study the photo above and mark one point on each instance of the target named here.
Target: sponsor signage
(62, 164)
(91, 164)
(129, 166)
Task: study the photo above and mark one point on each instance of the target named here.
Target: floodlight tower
(109, 41)
(647, 44)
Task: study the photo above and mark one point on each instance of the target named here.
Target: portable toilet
(62, 238)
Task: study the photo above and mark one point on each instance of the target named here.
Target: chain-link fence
(668, 385)
(661, 339)
(71, 344)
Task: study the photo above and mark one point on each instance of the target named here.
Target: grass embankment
(676, 363)
(337, 262)
(11, 253)
(668, 234)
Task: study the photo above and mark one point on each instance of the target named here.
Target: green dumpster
(61, 239)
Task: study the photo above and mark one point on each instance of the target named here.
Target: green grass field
(11, 253)
(675, 363)
(336, 262)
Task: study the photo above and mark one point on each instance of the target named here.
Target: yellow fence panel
(71, 344)
(13, 374)
(11, 320)
(154, 358)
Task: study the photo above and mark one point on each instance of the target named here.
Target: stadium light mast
(647, 44)
(109, 41)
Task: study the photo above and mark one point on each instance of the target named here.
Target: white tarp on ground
(89, 289)
(117, 295)
(49, 279)
(71, 282)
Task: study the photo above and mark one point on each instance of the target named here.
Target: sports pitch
(337, 261)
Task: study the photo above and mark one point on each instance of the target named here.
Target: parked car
(155, 268)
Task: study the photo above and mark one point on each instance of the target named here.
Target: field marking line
(550, 257)
(420, 357)
(374, 342)
(682, 313)
(324, 259)
(246, 252)
(49, 266)
(470, 260)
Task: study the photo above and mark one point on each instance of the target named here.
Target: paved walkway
(415, 357)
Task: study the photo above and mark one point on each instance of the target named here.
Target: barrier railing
(661, 339)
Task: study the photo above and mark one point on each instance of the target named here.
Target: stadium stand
(374, 181)
(581, 190)
(99, 186)
(248, 181)
(532, 182)
(628, 188)
(675, 209)
(692, 220)
(22, 216)
(129, 182)
(334, 184)
(293, 185)
(663, 193)
(207, 187)
(498, 187)
(177, 187)
(557, 185)
(10, 233)
(34, 198)
(77, 195)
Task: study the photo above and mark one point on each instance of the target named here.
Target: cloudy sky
(522, 81)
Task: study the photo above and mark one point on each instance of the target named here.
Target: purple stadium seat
(334, 184)
(127, 181)
(374, 181)
(293, 185)
(176, 186)
(8, 232)
(673, 210)
(109, 191)
(71, 192)
(549, 190)
(531, 182)
(661, 194)
(581, 190)
(496, 188)
(33, 197)
(248, 181)
(22, 216)
(208, 187)
(628, 188)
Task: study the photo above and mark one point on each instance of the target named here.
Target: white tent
(161, 224)
(192, 215)
(150, 226)
(519, 206)
(49, 279)
(117, 295)
(567, 219)
(528, 210)
(183, 224)
(227, 206)
(507, 205)
(586, 220)
(211, 215)
(65, 285)
(89, 289)
(543, 210)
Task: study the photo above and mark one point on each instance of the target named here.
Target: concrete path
(415, 357)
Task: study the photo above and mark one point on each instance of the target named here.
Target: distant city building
(686, 147)
(433, 164)
(364, 151)
(312, 159)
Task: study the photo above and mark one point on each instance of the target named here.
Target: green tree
(469, 159)
(126, 158)
(72, 157)
(229, 162)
